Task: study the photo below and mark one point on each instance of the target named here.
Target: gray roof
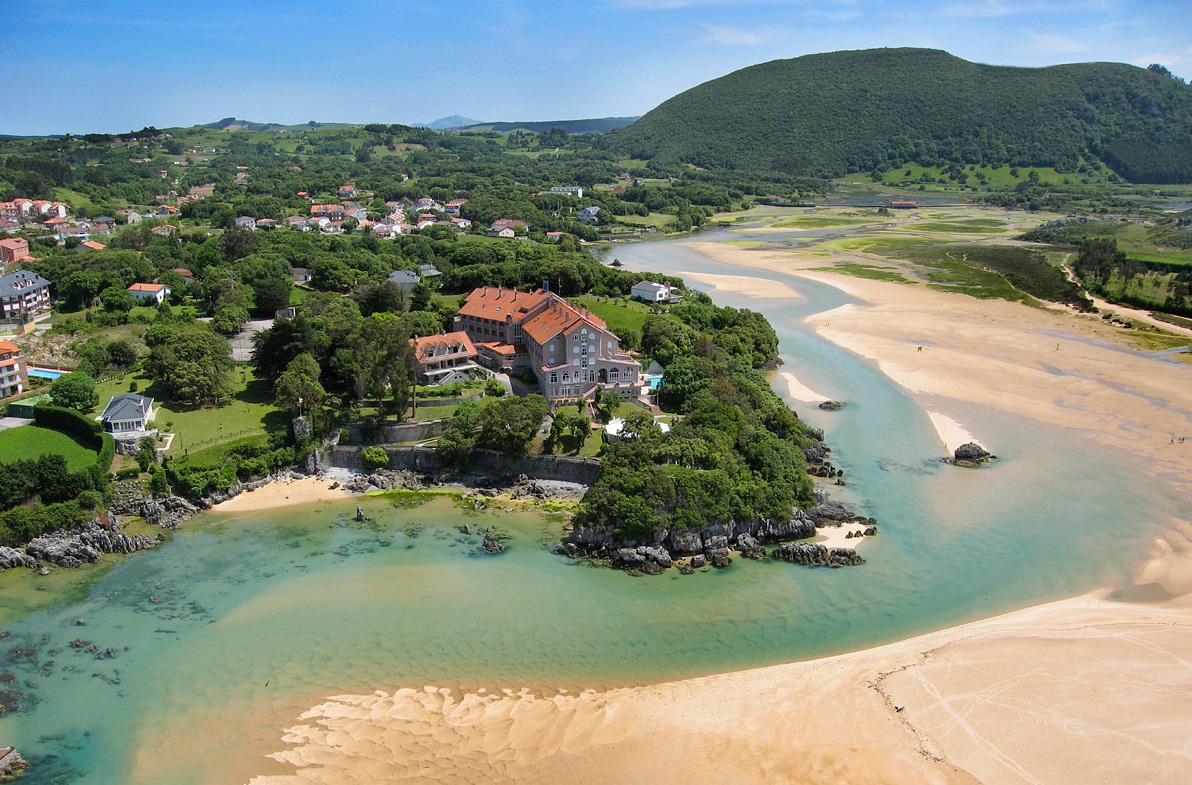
(20, 282)
(404, 277)
(126, 407)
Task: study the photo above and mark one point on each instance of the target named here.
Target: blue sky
(73, 66)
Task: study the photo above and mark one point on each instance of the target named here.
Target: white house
(246, 222)
(127, 414)
(150, 292)
(650, 292)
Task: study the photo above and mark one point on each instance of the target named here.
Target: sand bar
(952, 434)
(799, 391)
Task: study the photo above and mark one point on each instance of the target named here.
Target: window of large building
(613, 375)
(554, 377)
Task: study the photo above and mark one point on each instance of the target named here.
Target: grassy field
(33, 441)
(657, 220)
(247, 411)
(620, 314)
(986, 176)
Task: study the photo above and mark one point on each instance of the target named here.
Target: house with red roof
(13, 376)
(152, 293)
(570, 350)
(13, 249)
(444, 359)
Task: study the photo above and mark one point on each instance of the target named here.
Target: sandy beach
(1087, 689)
(284, 493)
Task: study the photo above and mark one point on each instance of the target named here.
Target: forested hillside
(871, 110)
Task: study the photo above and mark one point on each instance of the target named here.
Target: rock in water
(831, 406)
(971, 455)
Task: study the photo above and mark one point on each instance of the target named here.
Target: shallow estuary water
(240, 622)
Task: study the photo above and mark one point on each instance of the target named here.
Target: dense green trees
(190, 361)
(890, 107)
(74, 391)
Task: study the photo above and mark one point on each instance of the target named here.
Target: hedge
(89, 431)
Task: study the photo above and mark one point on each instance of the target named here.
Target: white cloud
(736, 36)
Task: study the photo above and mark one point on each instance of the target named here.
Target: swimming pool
(44, 373)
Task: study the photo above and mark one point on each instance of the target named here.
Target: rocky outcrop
(815, 555)
(130, 498)
(716, 543)
(386, 480)
(831, 406)
(14, 557)
(971, 455)
(68, 548)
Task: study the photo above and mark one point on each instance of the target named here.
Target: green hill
(843, 112)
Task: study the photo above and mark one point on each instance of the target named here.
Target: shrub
(374, 457)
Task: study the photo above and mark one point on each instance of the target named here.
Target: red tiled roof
(147, 287)
(491, 302)
(423, 345)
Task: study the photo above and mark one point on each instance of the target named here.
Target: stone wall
(411, 432)
(422, 459)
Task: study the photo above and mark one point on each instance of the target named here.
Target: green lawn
(866, 271)
(247, 411)
(620, 314)
(33, 441)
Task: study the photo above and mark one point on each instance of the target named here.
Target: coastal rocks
(971, 455)
(816, 555)
(385, 480)
(542, 490)
(12, 557)
(645, 558)
(168, 513)
(750, 548)
(831, 406)
(491, 544)
(130, 498)
(75, 548)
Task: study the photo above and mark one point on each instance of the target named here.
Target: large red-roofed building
(569, 349)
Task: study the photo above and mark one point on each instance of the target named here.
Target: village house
(13, 377)
(129, 216)
(155, 293)
(650, 292)
(348, 192)
(567, 190)
(332, 212)
(165, 230)
(127, 416)
(89, 245)
(13, 249)
(23, 295)
(504, 232)
(246, 222)
(443, 359)
(453, 207)
(588, 214)
(570, 350)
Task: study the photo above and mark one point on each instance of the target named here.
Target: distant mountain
(452, 122)
(846, 112)
(600, 125)
(232, 124)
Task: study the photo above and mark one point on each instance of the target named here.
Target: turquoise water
(241, 622)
